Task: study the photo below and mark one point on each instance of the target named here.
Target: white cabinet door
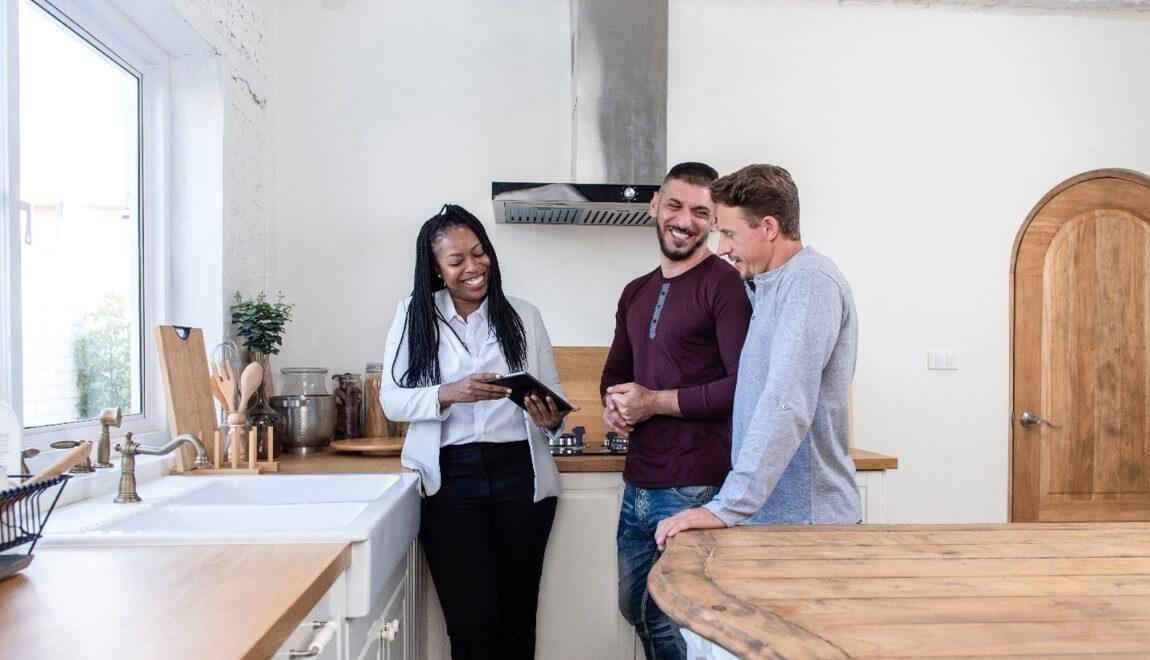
(389, 631)
(578, 598)
(872, 495)
(323, 626)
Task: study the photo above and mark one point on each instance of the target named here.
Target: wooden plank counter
(339, 463)
(913, 590)
(205, 601)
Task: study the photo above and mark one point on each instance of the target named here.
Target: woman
(488, 476)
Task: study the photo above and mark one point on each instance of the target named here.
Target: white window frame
(110, 32)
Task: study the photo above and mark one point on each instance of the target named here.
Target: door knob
(1030, 420)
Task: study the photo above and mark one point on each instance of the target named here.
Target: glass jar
(349, 406)
(302, 381)
(375, 422)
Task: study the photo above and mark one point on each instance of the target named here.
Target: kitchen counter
(913, 590)
(204, 601)
(601, 461)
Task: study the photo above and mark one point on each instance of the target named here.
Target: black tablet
(523, 384)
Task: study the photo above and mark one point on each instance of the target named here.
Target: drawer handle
(324, 631)
(389, 630)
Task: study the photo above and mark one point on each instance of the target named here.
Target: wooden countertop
(205, 601)
(336, 463)
(913, 590)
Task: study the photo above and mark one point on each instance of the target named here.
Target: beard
(675, 253)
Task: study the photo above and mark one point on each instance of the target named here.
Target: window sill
(106, 481)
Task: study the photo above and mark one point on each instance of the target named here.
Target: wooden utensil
(250, 380)
(217, 392)
(227, 382)
(187, 386)
(74, 456)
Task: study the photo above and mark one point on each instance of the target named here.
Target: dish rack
(23, 512)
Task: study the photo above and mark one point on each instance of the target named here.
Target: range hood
(619, 122)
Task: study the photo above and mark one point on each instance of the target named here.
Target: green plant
(102, 353)
(261, 323)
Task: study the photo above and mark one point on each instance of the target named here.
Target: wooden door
(1081, 353)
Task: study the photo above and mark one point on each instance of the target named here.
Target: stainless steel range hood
(619, 122)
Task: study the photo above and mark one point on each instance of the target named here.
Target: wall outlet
(942, 360)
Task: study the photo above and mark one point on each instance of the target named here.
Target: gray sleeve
(809, 320)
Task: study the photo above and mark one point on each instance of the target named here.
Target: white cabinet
(579, 595)
(872, 495)
(322, 628)
(389, 632)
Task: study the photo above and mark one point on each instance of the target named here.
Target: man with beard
(792, 462)
(669, 384)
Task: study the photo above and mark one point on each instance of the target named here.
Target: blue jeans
(640, 514)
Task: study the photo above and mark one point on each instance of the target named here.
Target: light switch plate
(942, 360)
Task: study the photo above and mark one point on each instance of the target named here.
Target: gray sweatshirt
(790, 451)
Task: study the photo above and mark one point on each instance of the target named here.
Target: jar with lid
(349, 406)
(304, 381)
(374, 422)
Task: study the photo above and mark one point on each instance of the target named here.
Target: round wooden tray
(369, 446)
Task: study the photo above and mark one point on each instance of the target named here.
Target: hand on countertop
(697, 518)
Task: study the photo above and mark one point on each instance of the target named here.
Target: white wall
(385, 111)
(920, 139)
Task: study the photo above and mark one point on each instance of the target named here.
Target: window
(78, 121)
(80, 225)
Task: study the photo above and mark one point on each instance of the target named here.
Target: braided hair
(422, 324)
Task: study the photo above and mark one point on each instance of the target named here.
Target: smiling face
(749, 248)
(683, 216)
(464, 266)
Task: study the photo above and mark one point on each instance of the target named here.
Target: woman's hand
(544, 413)
(470, 389)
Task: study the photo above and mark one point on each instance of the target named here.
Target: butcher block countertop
(172, 602)
(913, 590)
(337, 463)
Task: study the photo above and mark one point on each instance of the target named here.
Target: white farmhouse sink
(290, 489)
(378, 514)
(176, 521)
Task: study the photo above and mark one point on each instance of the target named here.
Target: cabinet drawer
(329, 610)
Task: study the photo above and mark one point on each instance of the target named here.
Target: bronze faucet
(129, 449)
(108, 417)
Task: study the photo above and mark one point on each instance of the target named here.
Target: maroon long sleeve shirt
(681, 333)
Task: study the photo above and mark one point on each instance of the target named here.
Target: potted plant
(260, 324)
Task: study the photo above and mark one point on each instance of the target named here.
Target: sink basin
(290, 489)
(377, 514)
(175, 521)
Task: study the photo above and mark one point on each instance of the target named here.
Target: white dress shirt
(473, 348)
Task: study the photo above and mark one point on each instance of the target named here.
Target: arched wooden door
(1081, 353)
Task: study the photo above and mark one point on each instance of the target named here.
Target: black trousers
(484, 537)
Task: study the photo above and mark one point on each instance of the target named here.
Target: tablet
(523, 384)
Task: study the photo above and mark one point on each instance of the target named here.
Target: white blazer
(420, 405)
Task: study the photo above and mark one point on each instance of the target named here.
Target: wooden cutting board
(369, 446)
(187, 387)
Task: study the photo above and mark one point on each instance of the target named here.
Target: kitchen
(921, 137)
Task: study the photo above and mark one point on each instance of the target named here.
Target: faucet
(81, 467)
(129, 449)
(30, 452)
(108, 417)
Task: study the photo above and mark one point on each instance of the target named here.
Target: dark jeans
(484, 538)
(640, 514)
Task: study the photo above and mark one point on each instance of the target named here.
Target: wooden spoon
(250, 380)
(61, 466)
